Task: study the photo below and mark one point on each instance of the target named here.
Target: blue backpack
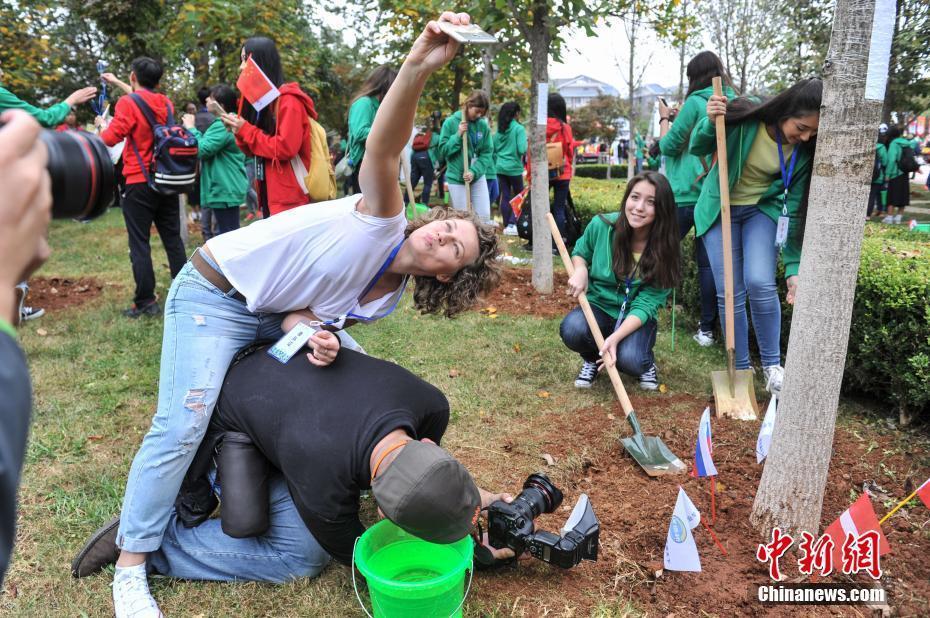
(174, 153)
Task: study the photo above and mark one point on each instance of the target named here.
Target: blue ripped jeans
(204, 328)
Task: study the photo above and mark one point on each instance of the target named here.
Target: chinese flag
(516, 204)
(858, 518)
(255, 86)
(923, 492)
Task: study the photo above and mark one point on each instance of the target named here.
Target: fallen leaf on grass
(41, 332)
(454, 373)
(611, 417)
(663, 388)
(516, 348)
(94, 438)
(550, 460)
(543, 394)
(492, 316)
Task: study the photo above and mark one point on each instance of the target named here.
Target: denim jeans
(480, 200)
(560, 190)
(494, 190)
(754, 255)
(421, 166)
(203, 330)
(286, 551)
(634, 353)
(705, 273)
(510, 186)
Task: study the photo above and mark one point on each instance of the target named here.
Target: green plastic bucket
(922, 227)
(415, 210)
(408, 576)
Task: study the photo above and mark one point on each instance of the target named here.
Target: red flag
(923, 492)
(516, 204)
(255, 86)
(856, 520)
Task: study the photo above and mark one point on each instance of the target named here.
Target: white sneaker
(131, 596)
(888, 219)
(897, 219)
(586, 376)
(704, 339)
(649, 381)
(30, 313)
(510, 230)
(774, 377)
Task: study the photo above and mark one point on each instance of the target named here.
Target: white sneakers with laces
(774, 377)
(131, 596)
(705, 339)
(511, 230)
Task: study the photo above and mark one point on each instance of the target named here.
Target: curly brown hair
(470, 283)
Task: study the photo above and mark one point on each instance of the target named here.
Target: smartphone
(663, 102)
(470, 33)
(215, 108)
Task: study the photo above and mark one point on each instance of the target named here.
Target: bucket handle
(471, 575)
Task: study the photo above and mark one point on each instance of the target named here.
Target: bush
(598, 171)
(593, 197)
(889, 343)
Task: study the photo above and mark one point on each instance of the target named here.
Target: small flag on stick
(704, 449)
(255, 86)
(923, 492)
(765, 432)
(856, 520)
(681, 552)
(516, 204)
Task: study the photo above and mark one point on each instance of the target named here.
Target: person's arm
(791, 252)
(450, 142)
(212, 141)
(122, 124)
(48, 117)
(643, 307)
(675, 140)
(484, 153)
(113, 80)
(391, 129)
(521, 141)
(703, 138)
(289, 134)
(324, 344)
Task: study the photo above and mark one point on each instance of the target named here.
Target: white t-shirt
(319, 257)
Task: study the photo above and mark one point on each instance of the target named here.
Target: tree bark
(790, 494)
(540, 39)
(487, 77)
(630, 151)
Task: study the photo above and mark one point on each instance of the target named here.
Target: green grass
(95, 378)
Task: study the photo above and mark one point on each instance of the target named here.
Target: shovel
(649, 452)
(734, 392)
(413, 208)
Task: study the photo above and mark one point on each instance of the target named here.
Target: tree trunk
(487, 77)
(630, 151)
(458, 82)
(681, 57)
(790, 494)
(539, 187)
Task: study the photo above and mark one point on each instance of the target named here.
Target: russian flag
(703, 462)
(255, 86)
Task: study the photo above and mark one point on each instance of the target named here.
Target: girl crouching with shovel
(627, 263)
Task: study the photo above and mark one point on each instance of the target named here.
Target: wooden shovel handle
(465, 157)
(589, 316)
(724, 176)
(405, 164)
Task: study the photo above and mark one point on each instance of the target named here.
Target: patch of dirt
(634, 512)
(516, 296)
(55, 294)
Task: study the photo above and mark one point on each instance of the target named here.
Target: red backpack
(422, 140)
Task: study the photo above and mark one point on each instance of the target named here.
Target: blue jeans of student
(421, 166)
(705, 273)
(286, 551)
(754, 256)
(494, 189)
(634, 353)
(203, 330)
(560, 190)
(510, 186)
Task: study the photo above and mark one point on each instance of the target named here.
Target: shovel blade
(736, 398)
(650, 452)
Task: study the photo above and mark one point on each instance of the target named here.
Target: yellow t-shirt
(760, 169)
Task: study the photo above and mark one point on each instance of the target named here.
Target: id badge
(288, 345)
(781, 233)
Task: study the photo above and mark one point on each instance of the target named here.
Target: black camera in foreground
(82, 174)
(511, 525)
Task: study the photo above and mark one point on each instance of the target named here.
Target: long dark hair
(802, 98)
(702, 69)
(894, 132)
(505, 116)
(264, 53)
(377, 84)
(659, 264)
(557, 107)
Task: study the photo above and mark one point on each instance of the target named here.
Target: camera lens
(82, 174)
(541, 494)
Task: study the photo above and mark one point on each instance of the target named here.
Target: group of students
(895, 162)
(629, 262)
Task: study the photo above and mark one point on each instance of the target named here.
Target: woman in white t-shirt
(337, 262)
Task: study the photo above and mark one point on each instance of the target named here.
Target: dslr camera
(82, 174)
(511, 525)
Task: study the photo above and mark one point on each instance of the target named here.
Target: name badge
(781, 233)
(288, 345)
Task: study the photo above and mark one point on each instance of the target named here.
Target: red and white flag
(856, 520)
(255, 86)
(516, 204)
(923, 492)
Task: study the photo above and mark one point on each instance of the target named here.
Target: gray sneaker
(705, 339)
(774, 377)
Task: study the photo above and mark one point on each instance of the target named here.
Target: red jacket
(291, 138)
(558, 131)
(128, 121)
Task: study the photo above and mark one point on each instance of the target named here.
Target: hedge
(593, 197)
(889, 344)
(599, 171)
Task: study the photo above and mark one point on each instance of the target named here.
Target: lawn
(509, 382)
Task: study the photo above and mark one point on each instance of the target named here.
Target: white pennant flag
(765, 432)
(681, 552)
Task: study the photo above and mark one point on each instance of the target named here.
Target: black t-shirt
(15, 403)
(318, 426)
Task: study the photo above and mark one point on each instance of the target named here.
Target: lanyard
(626, 293)
(786, 174)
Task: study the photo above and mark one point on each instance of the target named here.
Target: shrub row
(599, 171)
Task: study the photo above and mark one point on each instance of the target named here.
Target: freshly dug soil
(634, 511)
(516, 296)
(55, 294)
